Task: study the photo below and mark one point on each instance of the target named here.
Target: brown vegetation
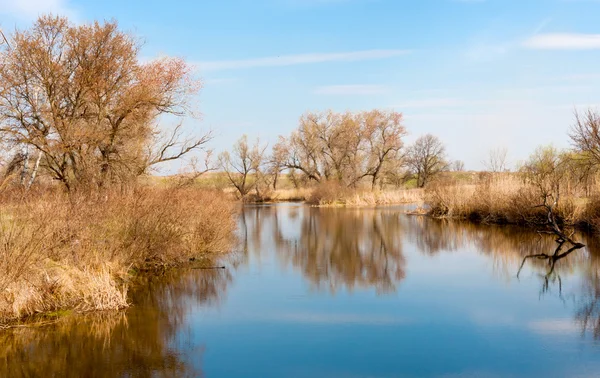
(60, 252)
(76, 220)
(550, 186)
(78, 99)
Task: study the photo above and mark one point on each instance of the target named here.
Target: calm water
(343, 293)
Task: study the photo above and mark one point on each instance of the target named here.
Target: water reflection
(343, 248)
(148, 340)
(335, 248)
(457, 302)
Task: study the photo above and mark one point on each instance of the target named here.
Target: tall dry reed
(78, 251)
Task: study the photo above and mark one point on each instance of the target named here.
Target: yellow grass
(78, 252)
(508, 199)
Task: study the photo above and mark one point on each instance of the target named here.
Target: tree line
(348, 148)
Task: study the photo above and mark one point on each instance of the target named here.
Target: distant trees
(585, 136)
(546, 169)
(426, 158)
(458, 166)
(496, 161)
(348, 149)
(78, 99)
(344, 147)
(243, 165)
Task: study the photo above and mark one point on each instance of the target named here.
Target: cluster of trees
(348, 148)
(77, 104)
(570, 172)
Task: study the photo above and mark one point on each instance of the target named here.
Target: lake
(317, 292)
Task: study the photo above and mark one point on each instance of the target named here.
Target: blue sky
(480, 74)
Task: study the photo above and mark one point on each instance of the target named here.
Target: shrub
(61, 251)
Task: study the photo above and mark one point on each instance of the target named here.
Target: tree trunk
(35, 170)
(25, 165)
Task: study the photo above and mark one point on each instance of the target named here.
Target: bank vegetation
(82, 126)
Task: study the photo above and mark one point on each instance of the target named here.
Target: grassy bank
(508, 199)
(60, 252)
(332, 194)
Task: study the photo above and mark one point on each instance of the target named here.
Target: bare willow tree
(384, 132)
(243, 166)
(426, 158)
(585, 135)
(78, 96)
(496, 160)
(343, 147)
(458, 166)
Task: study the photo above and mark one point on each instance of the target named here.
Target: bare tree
(426, 158)
(243, 165)
(585, 135)
(384, 133)
(546, 170)
(344, 147)
(458, 166)
(496, 161)
(78, 96)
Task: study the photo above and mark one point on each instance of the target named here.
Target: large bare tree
(343, 147)
(426, 158)
(243, 166)
(78, 98)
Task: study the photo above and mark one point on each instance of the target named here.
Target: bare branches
(344, 147)
(4, 40)
(585, 135)
(426, 158)
(496, 161)
(243, 166)
(175, 146)
(79, 95)
(196, 169)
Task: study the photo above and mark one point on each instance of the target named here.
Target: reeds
(508, 199)
(333, 194)
(78, 252)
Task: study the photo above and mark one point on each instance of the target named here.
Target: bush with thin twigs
(77, 252)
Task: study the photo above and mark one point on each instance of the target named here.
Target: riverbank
(507, 199)
(81, 253)
(331, 195)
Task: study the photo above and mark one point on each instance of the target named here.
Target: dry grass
(77, 252)
(390, 197)
(332, 194)
(291, 195)
(507, 199)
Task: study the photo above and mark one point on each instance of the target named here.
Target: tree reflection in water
(145, 341)
(510, 247)
(343, 248)
(335, 248)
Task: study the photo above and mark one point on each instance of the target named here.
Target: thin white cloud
(355, 89)
(583, 76)
(292, 60)
(456, 102)
(220, 80)
(542, 25)
(485, 52)
(442, 102)
(563, 41)
(31, 9)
